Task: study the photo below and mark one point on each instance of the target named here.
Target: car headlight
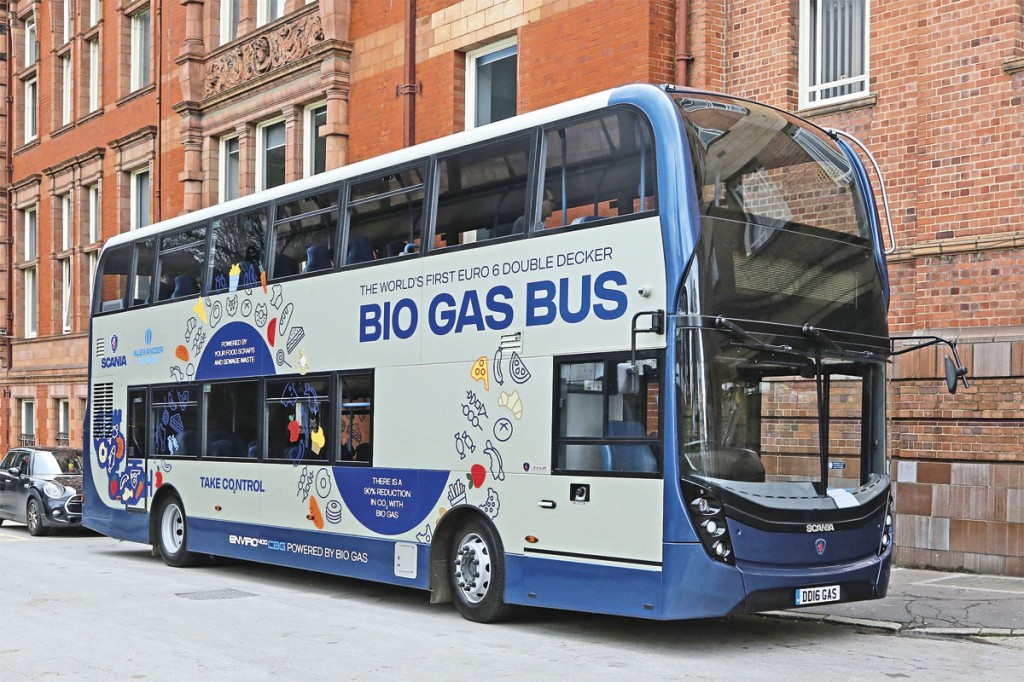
(51, 489)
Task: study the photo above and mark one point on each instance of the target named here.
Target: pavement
(932, 603)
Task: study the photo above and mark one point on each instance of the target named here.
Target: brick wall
(945, 121)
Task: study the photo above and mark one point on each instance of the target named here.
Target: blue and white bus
(625, 354)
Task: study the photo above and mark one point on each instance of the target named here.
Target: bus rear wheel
(476, 569)
(171, 533)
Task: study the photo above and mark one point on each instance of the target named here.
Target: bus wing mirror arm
(955, 370)
(628, 373)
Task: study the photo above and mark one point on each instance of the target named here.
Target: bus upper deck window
(112, 282)
(482, 192)
(238, 260)
(598, 168)
(182, 261)
(385, 216)
(304, 234)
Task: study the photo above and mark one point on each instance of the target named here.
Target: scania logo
(819, 545)
(113, 343)
(820, 527)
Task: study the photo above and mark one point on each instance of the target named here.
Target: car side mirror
(955, 373)
(14, 471)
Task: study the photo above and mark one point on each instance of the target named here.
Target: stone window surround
(134, 152)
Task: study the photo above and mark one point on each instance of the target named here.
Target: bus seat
(627, 456)
(317, 258)
(585, 219)
(363, 452)
(184, 285)
(360, 250)
(284, 266)
(252, 450)
(222, 448)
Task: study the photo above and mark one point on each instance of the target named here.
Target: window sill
(145, 90)
(865, 102)
(63, 129)
(91, 115)
(27, 146)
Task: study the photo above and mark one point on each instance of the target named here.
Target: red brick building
(127, 112)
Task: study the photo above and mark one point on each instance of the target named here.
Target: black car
(42, 487)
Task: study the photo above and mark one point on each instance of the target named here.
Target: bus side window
(136, 427)
(142, 284)
(231, 429)
(304, 234)
(238, 261)
(112, 279)
(385, 216)
(604, 426)
(182, 261)
(482, 192)
(174, 413)
(297, 418)
(356, 422)
(599, 168)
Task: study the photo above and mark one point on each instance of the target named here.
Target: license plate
(817, 595)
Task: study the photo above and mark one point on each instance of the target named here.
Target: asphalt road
(85, 607)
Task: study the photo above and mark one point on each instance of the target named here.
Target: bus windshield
(755, 165)
(797, 421)
(781, 392)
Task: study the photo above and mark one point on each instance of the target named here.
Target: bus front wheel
(171, 534)
(476, 569)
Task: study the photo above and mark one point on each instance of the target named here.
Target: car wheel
(477, 573)
(171, 533)
(34, 519)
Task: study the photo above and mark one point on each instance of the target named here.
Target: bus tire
(34, 518)
(171, 533)
(476, 570)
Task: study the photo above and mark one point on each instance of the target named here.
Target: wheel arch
(440, 548)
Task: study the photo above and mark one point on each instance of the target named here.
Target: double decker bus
(626, 354)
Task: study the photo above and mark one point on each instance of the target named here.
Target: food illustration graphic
(333, 512)
(200, 309)
(479, 372)
(477, 475)
(512, 402)
(497, 467)
(317, 440)
(314, 513)
(517, 368)
(499, 376)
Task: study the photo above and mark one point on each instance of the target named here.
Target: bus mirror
(954, 373)
(628, 376)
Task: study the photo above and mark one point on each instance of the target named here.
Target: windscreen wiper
(727, 325)
(813, 332)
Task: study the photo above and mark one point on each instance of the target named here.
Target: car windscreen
(57, 463)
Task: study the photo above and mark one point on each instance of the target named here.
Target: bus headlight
(888, 527)
(708, 517)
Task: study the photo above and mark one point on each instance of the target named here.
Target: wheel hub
(473, 568)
